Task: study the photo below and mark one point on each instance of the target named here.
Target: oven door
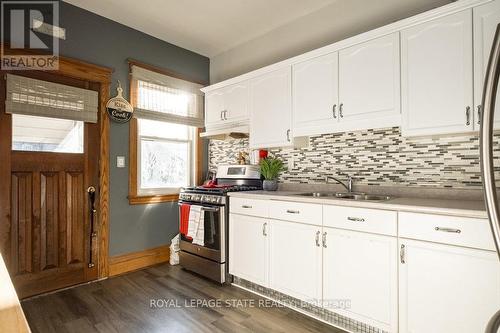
(215, 235)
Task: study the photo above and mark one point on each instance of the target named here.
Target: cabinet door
(445, 288)
(362, 269)
(214, 106)
(436, 76)
(486, 19)
(295, 260)
(248, 248)
(370, 70)
(315, 95)
(270, 110)
(236, 102)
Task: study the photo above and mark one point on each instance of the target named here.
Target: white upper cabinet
(369, 89)
(271, 109)
(486, 19)
(226, 106)
(362, 268)
(214, 108)
(436, 76)
(445, 288)
(315, 95)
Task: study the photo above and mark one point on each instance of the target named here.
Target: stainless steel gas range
(211, 259)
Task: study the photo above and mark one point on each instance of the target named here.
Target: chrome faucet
(349, 185)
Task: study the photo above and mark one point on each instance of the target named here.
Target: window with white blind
(48, 116)
(168, 112)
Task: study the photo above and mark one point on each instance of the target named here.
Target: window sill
(152, 199)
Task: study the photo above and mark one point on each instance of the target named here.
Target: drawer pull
(456, 231)
(290, 211)
(355, 219)
(246, 206)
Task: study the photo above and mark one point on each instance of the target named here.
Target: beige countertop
(454, 207)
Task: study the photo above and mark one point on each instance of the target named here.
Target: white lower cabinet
(368, 265)
(295, 260)
(248, 248)
(360, 272)
(445, 288)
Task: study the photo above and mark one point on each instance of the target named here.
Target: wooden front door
(48, 244)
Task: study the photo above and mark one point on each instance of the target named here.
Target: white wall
(342, 19)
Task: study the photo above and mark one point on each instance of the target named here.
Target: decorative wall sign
(118, 108)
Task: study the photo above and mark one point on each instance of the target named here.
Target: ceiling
(202, 26)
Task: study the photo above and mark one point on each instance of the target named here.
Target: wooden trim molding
(134, 198)
(137, 260)
(93, 73)
(133, 62)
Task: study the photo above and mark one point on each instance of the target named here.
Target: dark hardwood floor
(123, 304)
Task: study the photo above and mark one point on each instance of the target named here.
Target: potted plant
(270, 168)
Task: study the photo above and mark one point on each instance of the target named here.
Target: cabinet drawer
(461, 231)
(250, 207)
(296, 212)
(361, 219)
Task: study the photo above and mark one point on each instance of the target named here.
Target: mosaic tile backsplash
(375, 157)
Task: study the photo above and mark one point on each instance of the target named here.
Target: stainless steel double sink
(359, 196)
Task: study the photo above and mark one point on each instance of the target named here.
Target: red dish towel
(184, 225)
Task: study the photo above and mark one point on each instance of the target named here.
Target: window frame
(136, 196)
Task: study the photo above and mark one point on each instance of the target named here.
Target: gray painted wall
(340, 20)
(95, 39)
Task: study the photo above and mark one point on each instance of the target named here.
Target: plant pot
(270, 185)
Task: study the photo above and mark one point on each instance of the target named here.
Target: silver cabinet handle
(341, 110)
(402, 254)
(221, 116)
(456, 231)
(323, 240)
(288, 135)
(264, 227)
(479, 114)
(225, 114)
(334, 112)
(317, 238)
(246, 206)
(467, 115)
(290, 211)
(355, 219)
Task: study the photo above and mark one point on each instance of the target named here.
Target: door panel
(248, 248)
(370, 70)
(21, 236)
(436, 76)
(486, 19)
(293, 245)
(236, 102)
(271, 109)
(75, 223)
(315, 92)
(49, 220)
(362, 268)
(444, 288)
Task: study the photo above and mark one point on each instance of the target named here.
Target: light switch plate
(120, 161)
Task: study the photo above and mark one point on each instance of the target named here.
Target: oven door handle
(205, 208)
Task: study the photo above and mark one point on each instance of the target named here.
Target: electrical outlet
(291, 163)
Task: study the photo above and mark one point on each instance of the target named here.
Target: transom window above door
(48, 116)
(164, 143)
